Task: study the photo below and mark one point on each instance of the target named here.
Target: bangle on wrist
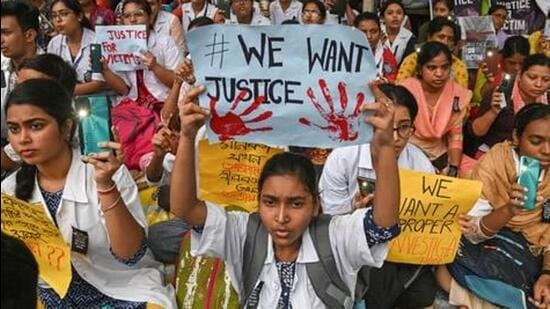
(108, 190)
(483, 226)
(113, 205)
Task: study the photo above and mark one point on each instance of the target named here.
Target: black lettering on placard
(435, 188)
(265, 42)
(334, 56)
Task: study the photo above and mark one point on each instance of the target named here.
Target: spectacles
(404, 130)
(311, 13)
(61, 14)
(136, 14)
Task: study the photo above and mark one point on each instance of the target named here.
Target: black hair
(496, 7)
(528, 114)
(26, 15)
(319, 5)
(54, 67)
(75, 6)
(515, 45)
(144, 5)
(200, 21)
(19, 274)
(448, 3)
(390, 2)
(438, 23)
(535, 59)
(287, 163)
(50, 96)
(366, 16)
(430, 50)
(401, 96)
(290, 22)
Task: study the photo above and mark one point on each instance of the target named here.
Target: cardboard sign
(293, 85)
(30, 224)
(428, 214)
(229, 172)
(524, 16)
(123, 46)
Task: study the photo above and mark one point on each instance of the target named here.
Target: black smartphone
(95, 55)
(505, 87)
(94, 113)
(366, 185)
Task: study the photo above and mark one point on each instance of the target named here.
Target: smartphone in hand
(366, 185)
(505, 87)
(528, 177)
(491, 58)
(95, 55)
(94, 114)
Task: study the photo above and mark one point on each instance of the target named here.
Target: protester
(398, 39)
(498, 15)
(198, 8)
(287, 194)
(444, 31)
(281, 10)
(95, 203)
(442, 105)
(167, 24)
(440, 8)
(313, 12)
(245, 14)
(494, 122)
(504, 258)
(386, 65)
(97, 15)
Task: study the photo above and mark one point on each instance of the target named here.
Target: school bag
(323, 275)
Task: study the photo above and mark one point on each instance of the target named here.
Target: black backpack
(323, 275)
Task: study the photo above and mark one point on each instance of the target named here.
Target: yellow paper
(29, 223)
(428, 214)
(229, 172)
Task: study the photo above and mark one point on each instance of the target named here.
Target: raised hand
(341, 125)
(192, 116)
(380, 116)
(232, 123)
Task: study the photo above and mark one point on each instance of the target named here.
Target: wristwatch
(452, 170)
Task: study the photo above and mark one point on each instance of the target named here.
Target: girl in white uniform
(399, 40)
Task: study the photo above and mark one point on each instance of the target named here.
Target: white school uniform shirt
(169, 24)
(379, 59)
(82, 62)
(224, 236)
(399, 44)
(257, 20)
(293, 12)
(167, 54)
(79, 208)
(338, 183)
(209, 10)
(167, 167)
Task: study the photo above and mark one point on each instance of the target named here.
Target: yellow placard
(29, 223)
(428, 215)
(229, 172)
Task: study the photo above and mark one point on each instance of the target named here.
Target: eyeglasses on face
(63, 14)
(404, 130)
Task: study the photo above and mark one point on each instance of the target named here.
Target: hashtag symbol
(217, 48)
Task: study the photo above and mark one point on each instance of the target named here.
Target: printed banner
(524, 16)
(428, 215)
(467, 7)
(122, 46)
(479, 34)
(29, 223)
(229, 172)
(293, 85)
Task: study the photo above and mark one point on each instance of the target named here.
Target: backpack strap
(323, 275)
(254, 254)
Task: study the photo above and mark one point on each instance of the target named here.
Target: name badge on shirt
(80, 241)
(546, 211)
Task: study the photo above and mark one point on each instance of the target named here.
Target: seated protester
(442, 106)
(73, 44)
(96, 14)
(509, 61)
(97, 202)
(288, 205)
(313, 12)
(494, 123)
(167, 24)
(398, 39)
(282, 10)
(245, 14)
(498, 14)
(444, 31)
(504, 255)
(145, 90)
(46, 66)
(19, 274)
(440, 8)
(339, 184)
(386, 65)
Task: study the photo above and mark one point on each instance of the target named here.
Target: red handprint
(341, 127)
(232, 124)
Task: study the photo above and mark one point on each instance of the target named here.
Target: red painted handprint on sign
(232, 124)
(341, 126)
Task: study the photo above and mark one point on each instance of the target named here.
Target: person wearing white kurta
(224, 235)
(293, 11)
(188, 13)
(79, 208)
(400, 44)
(257, 20)
(169, 24)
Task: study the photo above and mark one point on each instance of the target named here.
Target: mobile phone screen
(366, 185)
(529, 172)
(95, 123)
(492, 60)
(95, 55)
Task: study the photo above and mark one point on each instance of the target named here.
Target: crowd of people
(317, 239)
